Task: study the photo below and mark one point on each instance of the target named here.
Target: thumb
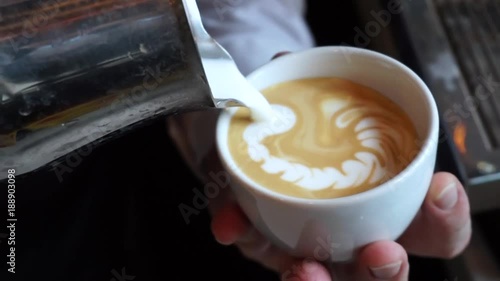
(305, 270)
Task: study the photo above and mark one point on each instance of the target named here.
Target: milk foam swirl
(330, 134)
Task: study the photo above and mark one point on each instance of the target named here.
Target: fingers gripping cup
(348, 159)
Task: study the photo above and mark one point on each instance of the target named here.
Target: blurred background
(453, 45)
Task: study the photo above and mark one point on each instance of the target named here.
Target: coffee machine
(453, 46)
(75, 72)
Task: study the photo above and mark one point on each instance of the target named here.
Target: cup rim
(426, 148)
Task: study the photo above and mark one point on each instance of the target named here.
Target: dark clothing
(116, 215)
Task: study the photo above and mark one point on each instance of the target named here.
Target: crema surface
(331, 138)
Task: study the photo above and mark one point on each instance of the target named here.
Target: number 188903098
(11, 196)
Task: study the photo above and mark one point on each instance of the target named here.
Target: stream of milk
(227, 82)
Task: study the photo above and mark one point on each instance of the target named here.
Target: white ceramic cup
(333, 229)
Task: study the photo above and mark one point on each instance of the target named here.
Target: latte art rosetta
(332, 138)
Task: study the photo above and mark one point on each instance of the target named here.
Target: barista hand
(441, 229)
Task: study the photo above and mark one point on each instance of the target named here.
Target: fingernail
(386, 272)
(448, 197)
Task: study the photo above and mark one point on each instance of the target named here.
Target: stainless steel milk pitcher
(73, 72)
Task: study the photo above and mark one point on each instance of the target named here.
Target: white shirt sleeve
(253, 31)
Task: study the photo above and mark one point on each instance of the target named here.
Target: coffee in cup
(324, 228)
(331, 137)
